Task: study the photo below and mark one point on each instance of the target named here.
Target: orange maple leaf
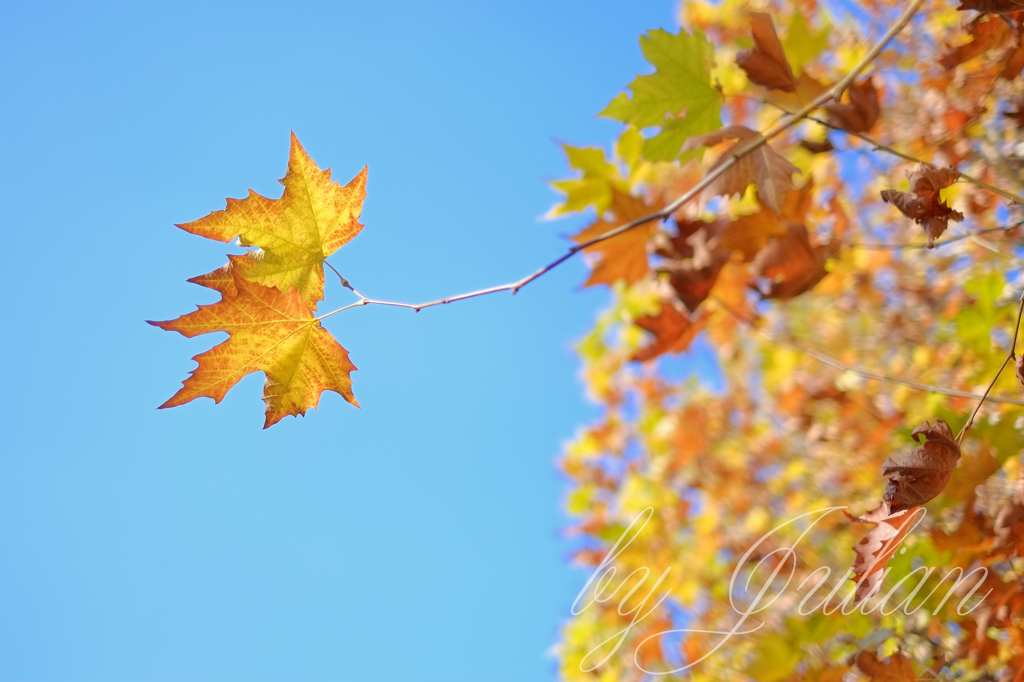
(673, 332)
(272, 331)
(623, 256)
(313, 218)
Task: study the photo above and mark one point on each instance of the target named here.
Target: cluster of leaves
(269, 295)
(829, 331)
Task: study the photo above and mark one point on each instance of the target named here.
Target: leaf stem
(1014, 199)
(1012, 355)
(895, 246)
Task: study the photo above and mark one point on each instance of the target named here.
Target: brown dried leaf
(879, 546)
(763, 167)
(924, 203)
(860, 113)
(793, 265)
(766, 63)
(926, 471)
(673, 332)
(1020, 368)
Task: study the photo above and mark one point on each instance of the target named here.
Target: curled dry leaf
(1020, 368)
(926, 471)
(923, 203)
(673, 330)
(763, 167)
(766, 63)
(860, 112)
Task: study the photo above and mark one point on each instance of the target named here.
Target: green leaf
(677, 96)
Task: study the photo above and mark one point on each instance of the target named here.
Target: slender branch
(344, 282)
(984, 243)
(895, 246)
(751, 145)
(1012, 355)
(867, 374)
(1014, 199)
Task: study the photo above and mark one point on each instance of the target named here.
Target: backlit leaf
(312, 219)
(271, 331)
(678, 96)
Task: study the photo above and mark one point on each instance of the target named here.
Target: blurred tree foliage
(833, 290)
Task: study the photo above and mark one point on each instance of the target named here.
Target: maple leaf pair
(269, 295)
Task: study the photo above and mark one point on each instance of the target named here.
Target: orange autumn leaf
(294, 234)
(986, 33)
(791, 263)
(673, 332)
(623, 256)
(750, 233)
(270, 331)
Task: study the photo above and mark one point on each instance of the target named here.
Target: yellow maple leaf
(272, 331)
(312, 219)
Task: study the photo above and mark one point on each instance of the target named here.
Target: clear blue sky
(415, 538)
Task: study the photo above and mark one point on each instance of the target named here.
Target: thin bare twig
(867, 374)
(1014, 199)
(895, 246)
(751, 145)
(1010, 357)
